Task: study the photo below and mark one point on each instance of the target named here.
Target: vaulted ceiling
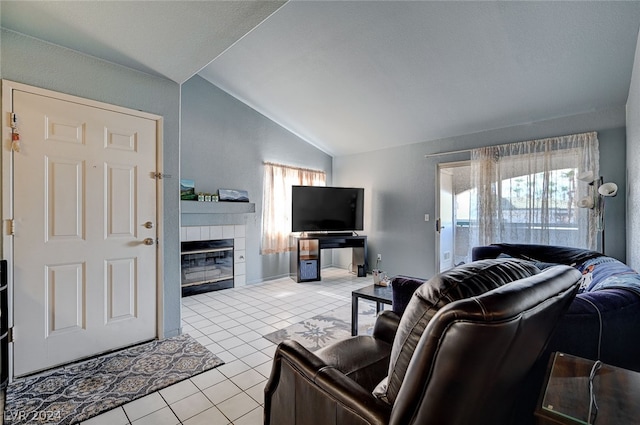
(354, 76)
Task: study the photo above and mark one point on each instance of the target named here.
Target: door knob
(148, 241)
(148, 225)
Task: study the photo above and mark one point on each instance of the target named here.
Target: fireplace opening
(206, 266)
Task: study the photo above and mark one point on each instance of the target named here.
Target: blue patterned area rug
(79, 391)
(327, 328)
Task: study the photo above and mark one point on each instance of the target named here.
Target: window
(526, 192)
(276, 203)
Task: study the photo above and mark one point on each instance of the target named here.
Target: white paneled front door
(84, 244)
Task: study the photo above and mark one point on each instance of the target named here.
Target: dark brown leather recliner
(445, 362)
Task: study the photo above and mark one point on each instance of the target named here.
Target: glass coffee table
(380, 294)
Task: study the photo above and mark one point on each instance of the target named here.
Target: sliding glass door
(452, 225)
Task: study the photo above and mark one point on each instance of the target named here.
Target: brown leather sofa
(458, 355)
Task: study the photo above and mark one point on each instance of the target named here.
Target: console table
(305, 258)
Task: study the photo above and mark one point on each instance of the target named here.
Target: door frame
(440, 166)
(7, 190)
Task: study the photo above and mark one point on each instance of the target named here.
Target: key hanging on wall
(15, 141)
(15, 134)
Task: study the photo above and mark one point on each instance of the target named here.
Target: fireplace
(207, 265)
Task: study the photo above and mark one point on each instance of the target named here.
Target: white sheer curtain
(276, 203)
(526, 192)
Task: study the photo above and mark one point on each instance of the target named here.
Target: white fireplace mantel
(196, 207)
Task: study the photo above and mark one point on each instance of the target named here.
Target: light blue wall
(613, 156)
(633, 170)
(40, 64)
(224, 145)
(400, 186)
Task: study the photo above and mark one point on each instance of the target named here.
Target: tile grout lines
(231, 323)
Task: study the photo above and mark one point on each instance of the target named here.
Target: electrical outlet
(379, 257)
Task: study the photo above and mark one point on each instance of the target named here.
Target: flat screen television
(327, 209)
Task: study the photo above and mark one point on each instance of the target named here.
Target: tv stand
(305, 258)
(328, 234)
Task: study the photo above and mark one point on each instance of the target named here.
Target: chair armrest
(364, 359)
(386, 326)
(304, 390)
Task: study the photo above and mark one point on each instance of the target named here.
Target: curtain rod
(429, 155)
(594, 133)
(294, 167)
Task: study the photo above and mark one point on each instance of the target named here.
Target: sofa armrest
(485, 252)
(302, 389)
(532, 252)
(386, 326)
(402, 289)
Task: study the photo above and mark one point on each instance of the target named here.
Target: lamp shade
(586, 176)
(608, 189)
(586, 202)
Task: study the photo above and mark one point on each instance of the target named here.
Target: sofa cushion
(461, 282)
(601, 325)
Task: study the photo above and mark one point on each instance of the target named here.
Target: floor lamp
(596, 199)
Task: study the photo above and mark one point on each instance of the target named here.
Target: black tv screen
(321, 208)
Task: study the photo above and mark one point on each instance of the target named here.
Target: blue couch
(602, 323)
(609, 297)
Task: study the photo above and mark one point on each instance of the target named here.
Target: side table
(380, 294)
(578, 391)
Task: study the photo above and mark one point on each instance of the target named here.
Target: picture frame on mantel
(233, 195)
(188, 190)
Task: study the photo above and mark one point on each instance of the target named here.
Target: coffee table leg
(354, 315)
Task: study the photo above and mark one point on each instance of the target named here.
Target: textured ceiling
(355, 76)
(172, 39)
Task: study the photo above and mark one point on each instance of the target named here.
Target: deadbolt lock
(148, 225)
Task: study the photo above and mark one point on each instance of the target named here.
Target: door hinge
(160, 176)
(11, 335)
(10, 227)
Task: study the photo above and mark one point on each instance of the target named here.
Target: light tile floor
(231, 324)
